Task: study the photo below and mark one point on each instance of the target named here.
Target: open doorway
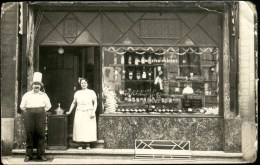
(61, 73)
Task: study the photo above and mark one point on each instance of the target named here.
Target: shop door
(61, 73)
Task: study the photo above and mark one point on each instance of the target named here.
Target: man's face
(36, 87)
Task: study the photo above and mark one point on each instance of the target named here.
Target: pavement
(119, 160)
(123, 156)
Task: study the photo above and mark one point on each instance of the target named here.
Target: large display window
(160, 80)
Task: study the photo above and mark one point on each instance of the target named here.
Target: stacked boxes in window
(57, 137)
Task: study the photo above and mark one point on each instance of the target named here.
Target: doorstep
(130, 153)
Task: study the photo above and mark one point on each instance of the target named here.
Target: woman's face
(83, 84)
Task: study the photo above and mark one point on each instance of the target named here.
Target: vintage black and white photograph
(129, 82)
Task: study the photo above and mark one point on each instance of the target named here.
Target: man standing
(34, 105)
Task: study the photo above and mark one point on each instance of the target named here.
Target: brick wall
(9, 46)
(9, 41)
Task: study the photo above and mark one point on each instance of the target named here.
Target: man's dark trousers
(34, 122)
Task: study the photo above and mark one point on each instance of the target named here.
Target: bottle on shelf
(213, 74)
(150, 73)
(164, 59)
(122, 59)
(130, 59)
(133, 96)
(149, 59)
(126, 95)
(115, 59)
(144, 76)
(123, 75)
(129, 98)
(206, 73)
(136, 60)
(143, 60)
(137, 97)
(159, 59)
(138, 75)
(141, 95)
(130, 76)
(129, 92)
(206, 88)
(116, 73)
(122, 94)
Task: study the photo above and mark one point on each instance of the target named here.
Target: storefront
(161, 70)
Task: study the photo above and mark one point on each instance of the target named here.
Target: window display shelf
(143, 65)
(190, 81)
(188, 65)
(169, 83)
(137, 81)
(154, 114)
(139, 65)
(207, 66)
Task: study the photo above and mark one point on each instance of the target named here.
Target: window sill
(183, 115)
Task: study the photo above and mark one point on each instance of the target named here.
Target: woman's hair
(82, 78)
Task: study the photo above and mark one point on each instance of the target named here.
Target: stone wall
(204, 134)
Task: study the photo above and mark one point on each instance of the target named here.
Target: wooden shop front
(159, 72)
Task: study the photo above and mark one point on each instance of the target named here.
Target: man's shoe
(88, 147)
(43, 158)
(27, 158)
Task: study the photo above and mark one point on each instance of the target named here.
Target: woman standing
(84, 127)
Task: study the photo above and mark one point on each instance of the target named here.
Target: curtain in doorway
(34, 20)
(30, 46)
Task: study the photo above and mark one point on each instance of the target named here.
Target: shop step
(75, 153)
(126, 153)
(96, 144)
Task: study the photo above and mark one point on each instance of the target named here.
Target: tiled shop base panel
(204, 134)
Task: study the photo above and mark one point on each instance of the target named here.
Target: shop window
(160, 80)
